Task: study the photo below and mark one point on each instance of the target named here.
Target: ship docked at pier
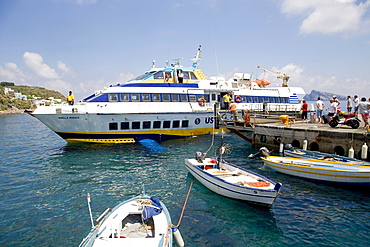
(163, 103)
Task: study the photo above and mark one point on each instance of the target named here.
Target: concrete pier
(269, 131)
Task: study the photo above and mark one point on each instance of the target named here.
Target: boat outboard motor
(288, 147)
(198, 157)
(264, 152)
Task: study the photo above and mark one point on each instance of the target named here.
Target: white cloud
(63, 67)
(330, 16)
(35, 62)
(12, 73)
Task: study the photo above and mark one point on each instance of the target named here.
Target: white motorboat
(139, 221)
(159, 106)
(232, 181)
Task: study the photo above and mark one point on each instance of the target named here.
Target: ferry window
(113, 126)
(146, 97)
(125, 97)
(165, 97)
(206, 97)
(255, 99)
(186, 75)
(158, 75)
(192, 98)
(166, 124)
(156, 97)
(146, 125)
(156, 124)
(184, 98)
(135, 125)
(273, 99)
(113, 97)
(175, 97)
(244, 98)
(135, 97)
(125, 125)
(193, 77)
(176, 124)
(185, 123)
(213, 97)
(200, 96)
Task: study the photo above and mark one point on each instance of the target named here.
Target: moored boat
(233, 181)
(139, 221)
(320, 170)
(158, 105)
(307, 154)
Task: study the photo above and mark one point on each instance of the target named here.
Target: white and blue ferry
(169, 102)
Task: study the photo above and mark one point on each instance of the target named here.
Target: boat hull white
(320, 170)
(123, 227)
(256, 195)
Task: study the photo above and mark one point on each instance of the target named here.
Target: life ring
(232, 107)
(201, 101)
(238, 99)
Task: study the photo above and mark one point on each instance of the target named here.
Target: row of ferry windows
(165, 97)
(149, 125)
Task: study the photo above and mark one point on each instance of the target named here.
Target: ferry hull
(127, 128)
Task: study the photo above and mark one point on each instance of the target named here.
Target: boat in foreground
(139, 221)
(232, 181)
(307, 154)
(320, 170)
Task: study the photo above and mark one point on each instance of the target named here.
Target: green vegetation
(7, 102)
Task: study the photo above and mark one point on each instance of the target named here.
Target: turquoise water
(44, 182)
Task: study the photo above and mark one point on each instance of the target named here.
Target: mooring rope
(184, 206)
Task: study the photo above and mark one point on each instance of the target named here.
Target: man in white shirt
(319, 110)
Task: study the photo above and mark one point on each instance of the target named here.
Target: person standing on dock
(332, 109)
(320, 105)
(364, 109)
(349, 104)
(304, 109)
(336, 100)
(70, 98)
(356, 101)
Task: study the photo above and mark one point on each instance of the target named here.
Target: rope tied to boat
(145, 202)
(184, 206)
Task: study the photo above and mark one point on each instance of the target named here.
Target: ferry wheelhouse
(164, 103)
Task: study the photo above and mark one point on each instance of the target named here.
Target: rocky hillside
(323, 95)
(10, 105)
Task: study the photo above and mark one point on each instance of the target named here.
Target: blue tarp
(151, 210)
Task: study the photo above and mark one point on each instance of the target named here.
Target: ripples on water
(44, 182)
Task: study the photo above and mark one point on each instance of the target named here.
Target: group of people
(361, 107)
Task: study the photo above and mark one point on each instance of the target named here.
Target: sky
(86, 45)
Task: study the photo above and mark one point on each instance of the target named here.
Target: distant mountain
(325, 96)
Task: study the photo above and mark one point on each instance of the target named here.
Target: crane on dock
(278, 74)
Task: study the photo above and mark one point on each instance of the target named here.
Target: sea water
(44, 182)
